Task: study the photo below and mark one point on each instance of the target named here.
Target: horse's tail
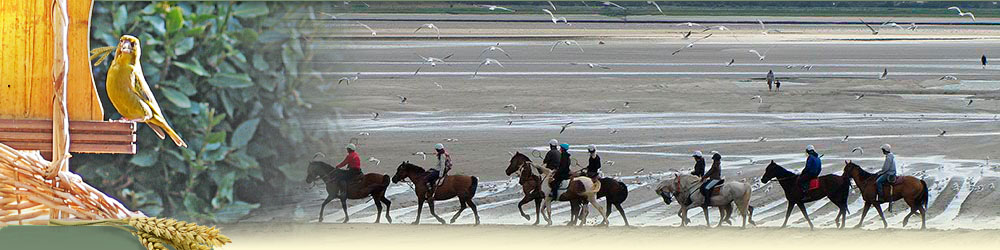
(845, 191)
(924, 195)
(385, 181)
(473, 186)
(745, 207)
(624, 189)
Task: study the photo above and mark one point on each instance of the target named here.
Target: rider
(595, 162)
(813, 167)
(551, 160)
(562, 172)
(353, 163)
(699, 164)
(711, 178)
(442, 168)
(888, 172)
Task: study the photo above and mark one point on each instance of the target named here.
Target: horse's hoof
(415, 223)
(388, 220)
(526, 217)
(442, 222)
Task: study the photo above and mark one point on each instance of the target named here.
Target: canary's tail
(159, 125)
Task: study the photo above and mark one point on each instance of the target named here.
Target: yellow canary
(130, 94)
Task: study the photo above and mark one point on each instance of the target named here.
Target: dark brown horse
(833, 187)
(529, 184)
(368, 185)
(461, 186)
(909, 188)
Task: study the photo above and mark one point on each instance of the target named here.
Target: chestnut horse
(909, 188)
(461, 186)
(530, 184)
(368, 185)
(833, 187)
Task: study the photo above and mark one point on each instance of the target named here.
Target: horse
(583, 189)
(530, 184)
(908, 188)
(833, 187)
(461, 186)
(368, 185)
(615, 191)
(685, 188)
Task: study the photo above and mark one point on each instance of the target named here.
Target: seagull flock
(495, 50)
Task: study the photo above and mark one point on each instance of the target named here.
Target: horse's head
(317, 170)
(769, 172)
(666, 190)
(516, 162)
(850, 169)
(404, 170)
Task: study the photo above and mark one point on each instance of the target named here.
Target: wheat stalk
(156, 233)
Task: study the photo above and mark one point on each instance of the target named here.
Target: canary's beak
(126, 46)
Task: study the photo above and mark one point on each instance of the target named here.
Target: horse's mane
(520, 155)
(780, 171)
(861, 171)
(413, 167)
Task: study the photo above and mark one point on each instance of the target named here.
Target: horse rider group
(558, 159)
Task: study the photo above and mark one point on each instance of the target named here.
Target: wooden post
(60, 120)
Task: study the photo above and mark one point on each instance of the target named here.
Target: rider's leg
(878, 186)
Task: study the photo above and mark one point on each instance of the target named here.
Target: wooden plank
(88, 127)
(74, 138)
(77, 147)
(26, 51)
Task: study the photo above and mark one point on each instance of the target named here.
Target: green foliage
(232, 94)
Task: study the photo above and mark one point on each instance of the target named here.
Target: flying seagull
(960, 13)
(591, 65)
(402, 99)
(422, 154)
(948, 78)
(511, 107)
(858, 97)
(686, 35)
(758, 98)
(858, 149)
(430, 26)
(761, 139)
(845, 138)
(488, 61)
(494, 48)
(608, 3)
(970, 102)
(763, 29)
(367, 27)
(551, 4)
(434, 60)
(554, 18)
(657, 6)
(626, 104)
(731, 61)
(612, 110)
(438, 85)
(349, 79)
(372, 159)
(494, 7)
(614, 131)
(564, 126)
(690, 44)
(942, 132)
(374, 116)
(885, 74)
(566, 42)
(689, 24)
(874, 31)
(983, 60)
(610, 163)
(759, 55)
(328, 14)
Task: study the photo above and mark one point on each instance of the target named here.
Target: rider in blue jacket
(813, 167)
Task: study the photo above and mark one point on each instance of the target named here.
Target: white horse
(578, 186)
(685, 188)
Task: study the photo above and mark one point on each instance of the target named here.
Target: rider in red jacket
(353, 163)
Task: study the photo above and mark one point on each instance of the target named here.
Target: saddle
(813, 184)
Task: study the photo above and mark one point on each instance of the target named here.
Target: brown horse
(833, 187)
(910, 189)
(461, 186)
(530, 184)
(368, 185)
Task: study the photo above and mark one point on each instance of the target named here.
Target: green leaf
(184, 46)
(244, 133)
(121, 17)
(192, 203)
(175, 19)
(290, 60)
(224, 190)
(194, 67)
(154, 56)
(157, 23)
(230, 80)
(144, 158)
(259, 63)
(214, 140)
(250, 9)
(176, 97)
